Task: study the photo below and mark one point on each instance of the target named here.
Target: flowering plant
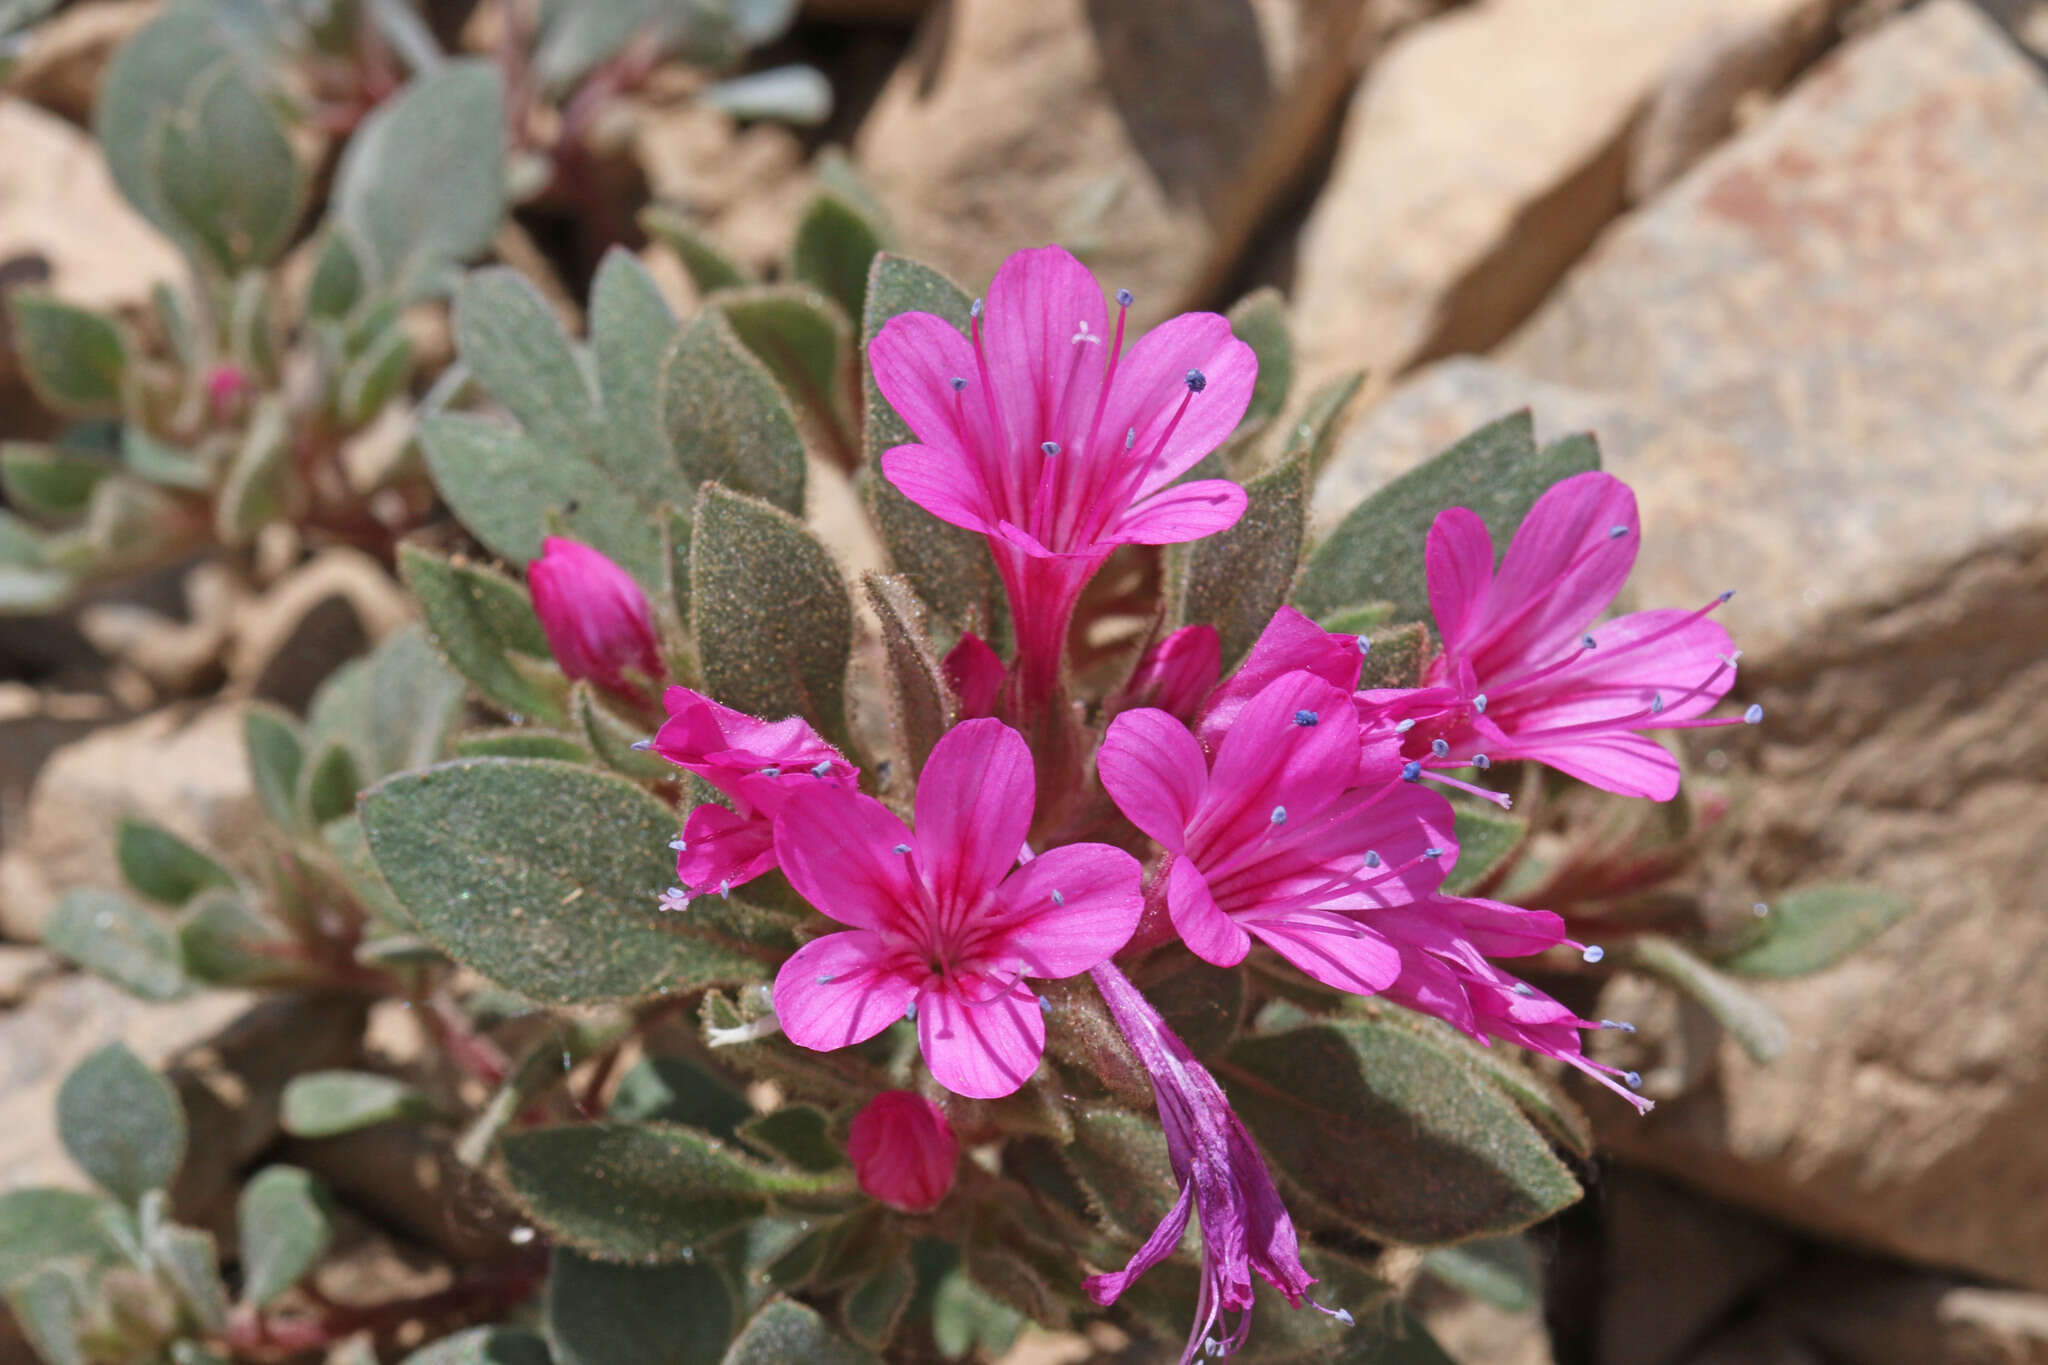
(1090, 922)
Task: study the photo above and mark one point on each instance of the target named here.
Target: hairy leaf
(285, 1229)
(113, 937)
(323, 1103)
(1751, 1022)
(786, 1330)
(835, 244)
(479, 618)
(158, 864)
(602, 1314)
(121, 1122)
(921, 702)
(1813, 927)
(1238, 578)
(75, 360)
(725, 416)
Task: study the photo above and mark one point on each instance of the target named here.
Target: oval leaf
(122, 1123)
(323, 1103)
(600, 1314)
(284, 1225)
(1813, 927)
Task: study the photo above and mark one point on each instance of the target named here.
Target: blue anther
(1305, 718)
(1197, 381)
(1411, 771)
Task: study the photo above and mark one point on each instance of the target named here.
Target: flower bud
(596, 618)
(226, 388)
(903, 1151)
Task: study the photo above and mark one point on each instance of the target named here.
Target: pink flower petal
(1293, 750)
(1184, 512)
(1046, 381)
(915, 359)
(1165, 1239)
(942, 484)
(981, 1049)
(837, 848)
(1154, 770)
(1497, 929)
(1151, 382)
(1622, 763)
(723, 848)
(975, 673)
(1459, 559)
(1209, 933)
(974, 802)
(839, 990)
(1289, 643)
(1334, 948)
(1071, 907)
(1563, 567)
(1178, 674)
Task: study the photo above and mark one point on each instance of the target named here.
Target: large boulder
(1484, 151)
(1821, 359)
(1151, 139)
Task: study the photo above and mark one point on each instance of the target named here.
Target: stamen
(1404, 727)
(725, 890)
(1440, 747)
(1058, 899)
(1523, 988)
(1616, 532)
(641, 746)
(1632, 1079)
(1754, 715)
(1049, 447)
(958, 382)
(1411, 771)
(826, 979)
(1197, 381)
(1044, 1005)
(1125, 298)
(1479, 703)
(1481, 762)
(1279, 816)
(1305, 718)
(1364, 646)
(1726, 593)
(823, 768)
(1657, 704)
(1593, 953)
(1760, 909)
(1618, 1025)
(974, 310)
(678, 845)
(675, 900)
(901, 848)
(1589, 642)
(1432, 853)
(910, 1010)
(771, 771)
(1130, 438)
(1372, 857)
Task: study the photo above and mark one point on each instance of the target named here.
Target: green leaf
(1396, 657)
(631, 329)
(113, 937)
(329, 784)
(222, 942)
(187, 1258)
(922, 706)
(710, 269)
(1375, 553)
(769, 613)
(73, 359)
(612, 738)
(785, 1331)
(1484, 838)
(121, 1122)
(255, 489)
(802, 339)
(676, 1090)
(521, 742)
(1394, 1132)
(221, 168)
(162, 463)
(420, 188)
(948, 565)
(800, 1134)
(1500, 1270)
(1259, 320)
(965, 1316)
(485, 1346)
(47, 1306)
(1316, 427)
(1120, 1159)
(835, 245)
(1238, 578)
(494, 856)
(1203, 1004)
(394, 710)
(337, 283)
(149, 78)
(514, 344)
(1751, 1022)
(872, 1309)
(479, 619)
(321, 1104)
(640, 1193)
(276, 754)
(601, 1314)
(41, 1226)
(1813, 927)
(374, 377)
(725, 416)
(285, 1230)
(158, 864)
(47, 483)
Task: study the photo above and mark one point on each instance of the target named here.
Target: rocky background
(1788, 258)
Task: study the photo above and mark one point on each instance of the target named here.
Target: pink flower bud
(226, 387)
(903, 1151)
(596, 618)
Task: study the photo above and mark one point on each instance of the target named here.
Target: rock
(315, 618)
(1472, 1330)
(21, 969)
(59, 205)
(1757, 1343)
(1821, 361)
(60, 66)
(1864, 1313)
(1150, 139)
(743, 187)
(1484, 151)
(1674, 1264)
(183, 770)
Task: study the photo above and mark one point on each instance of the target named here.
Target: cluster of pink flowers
(1280, 806)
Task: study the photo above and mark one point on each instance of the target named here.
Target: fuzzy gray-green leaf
(769, 612)
(485, 1346)
(323, 1103)
(1259, 319)
(159, 865)
(285, 1229)
(479, 618)
(725, 417)
(1394, 1132)
(1484, 839)
(603, 1314)
(631, 328)
(640, 1193)
(73, 359)
(221, 169)
(1812, 927)
(494, 856)
(835, 245)
(710, 268)
(802, 339)
(785, 1330)
(1375, 553)
(921, 702)
(1238, 578)
(121, 1122)
(113, 937)
(1751, 1022)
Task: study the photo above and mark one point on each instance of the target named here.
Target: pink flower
(975, 674)
(1528, 676)
(1275, 841)
(1177, 674)
(903, 1151)
(595, 617)
(1044, 435)
(1289, 643)
(942, 928)
(758, 764)
(1245, 1227)
(227, 387)
(1444, 946)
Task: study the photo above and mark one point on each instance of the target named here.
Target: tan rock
(22, 968)
(1868, 1314)
(319, 615)
(1150, 139)
(184, 771)
(61, 64)
(744, 187)
(1818, 359)
(1485, 150)
(1475, 1332)
(58, 203)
